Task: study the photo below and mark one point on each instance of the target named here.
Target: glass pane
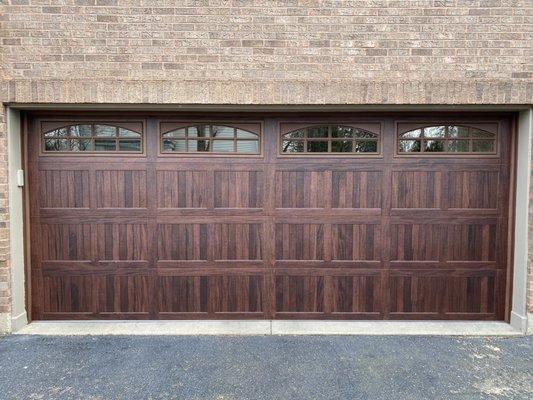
(223, 131)
(483, 146)
(295, 135)
(435, 132)
(198, 131)
(176, 133)
(341, 146)
(104, 145)
(56, 144)
(458, 146)
(409, 146)
(174, 145)
(223, 146)
(129, 145)
(292, 146)
(341, 132)
(122, 132)
(248, 146)
(478, 133)
(105, 130)
(317, 132)
(81, 144)
(241, 134)
(81, 130)
(368, 146)
(57, 132)
(412, 134)
(360, 133)
(433, 146)
(457, 131)
(317, 147)
(198, 145)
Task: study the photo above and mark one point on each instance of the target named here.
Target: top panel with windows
(330, 139)
(448, 139)
(201, 139)
(92, 138)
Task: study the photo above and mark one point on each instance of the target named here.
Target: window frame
(481, 125)
(242, 125)
(329, 154)
(64, 123)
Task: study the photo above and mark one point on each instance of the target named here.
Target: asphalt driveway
(261, 367)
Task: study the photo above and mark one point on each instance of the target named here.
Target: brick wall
(261, 52)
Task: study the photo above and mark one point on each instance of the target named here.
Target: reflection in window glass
(105, 130)
(56, 144)
(81, 145)
(317, 147)
(105, 145)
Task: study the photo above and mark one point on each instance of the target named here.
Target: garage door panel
(64, 189)
(356, 189)
(471, 242)
(69, 294)
(299, 241)
(238, 189)
(416, 189)
(236, 293)
(183, 294)
(121, 189)
(299, 294)
(182, 242)
(416, 293)
(123, 294)
(355, 294)
(66, 242)
(233, 241)
(356, 242)
(183, 189)
(122, 241)
(300, 189)
(416, 242)
(473, 189)
(471, 293)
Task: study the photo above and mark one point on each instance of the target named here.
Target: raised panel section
(356, 294)
(299, 241)
(238, 189)
(236, 293)
(470, 294)
(183, 189)
(473, 189)
(182, 242)
(415, 242)
(124, 294)
(416, 189)
(299, 189)
(68, 294)
(183, 294)
(238, 241)
(356, 189)
(415, 293)
(471, 242)
(66, 242)
(304, 294)
(121, 189)
(64, 189)
(356, 242)
(122, 241)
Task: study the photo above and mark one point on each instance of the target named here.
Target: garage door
(269, 216)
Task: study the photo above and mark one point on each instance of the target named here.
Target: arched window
(334, 139)
(452, 139)
(210, 138)
(98, 138)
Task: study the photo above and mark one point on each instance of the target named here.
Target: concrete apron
(270, 327)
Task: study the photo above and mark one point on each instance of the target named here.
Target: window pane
(55, 144)
(435, 131)
(478, 133)
(458, 131)
(105, 130)
(248, 146)
(317, 147)
(241, 134)
(81, 144)
(57, 132)
(176, 133)
(412, 134)
(367, 146)
(122, 132)
(483, 146)
(409, 146)
(198, 145)
(293, 146)
(458, 146)
(81, 130)
(198, 131)
(174, 145)
(104, 145)
(223, 146)
(317, 132)
(294, 135)
(341, 132)
(360, 133)
(434, 145)
(223, 132)
(129, 145)
(341, 146)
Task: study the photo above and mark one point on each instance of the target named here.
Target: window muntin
(218, 139)
(447, 139)
(96, 138)
(333, 139)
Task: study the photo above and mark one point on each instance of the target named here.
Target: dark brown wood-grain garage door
(331, 216)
